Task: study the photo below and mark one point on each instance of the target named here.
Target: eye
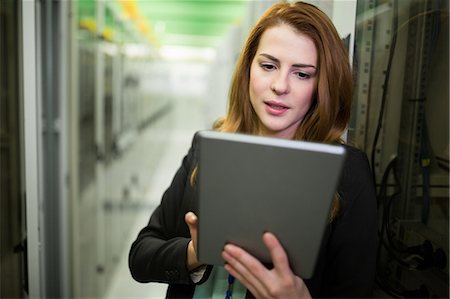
(267, 66)
(303, 75)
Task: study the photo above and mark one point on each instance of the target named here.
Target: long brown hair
(329, 113)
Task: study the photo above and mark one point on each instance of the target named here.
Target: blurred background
(100, 99)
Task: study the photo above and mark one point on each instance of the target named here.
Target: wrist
(191, 257)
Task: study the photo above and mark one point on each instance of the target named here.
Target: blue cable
(229, 292)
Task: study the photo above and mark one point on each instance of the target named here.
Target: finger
(246, 268)
(191, 220)
(279, 257)
(229, 262)
(244, 281)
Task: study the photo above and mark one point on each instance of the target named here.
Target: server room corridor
(100, 101)
(173, 131)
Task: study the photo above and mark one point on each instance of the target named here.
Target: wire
(396, 29)
(388, 210)
(385, 86)
(425, 165)
(386, 206)
(384, 202)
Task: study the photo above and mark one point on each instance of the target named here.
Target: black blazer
(346, 263)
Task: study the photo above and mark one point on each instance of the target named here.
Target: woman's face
(282, 80)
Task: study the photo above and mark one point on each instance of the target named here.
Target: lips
(275, 108)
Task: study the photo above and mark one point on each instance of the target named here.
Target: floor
(175, 130)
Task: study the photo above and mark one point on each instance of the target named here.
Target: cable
(385, 86)
(396, 29)
(386, 206)
(386, 203)
(425, 166)
(417, 256)
(424, 141)
(387, 212)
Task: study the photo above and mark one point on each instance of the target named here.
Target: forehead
(285, 43)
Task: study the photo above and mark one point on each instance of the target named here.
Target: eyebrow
(296, 64)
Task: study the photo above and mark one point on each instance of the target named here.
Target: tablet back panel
(249, 185)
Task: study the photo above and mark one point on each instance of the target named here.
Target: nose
(280, 84)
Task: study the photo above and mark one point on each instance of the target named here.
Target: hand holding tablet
(249, 185)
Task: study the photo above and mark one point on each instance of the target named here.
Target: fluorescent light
(187, 53)
(138, 50)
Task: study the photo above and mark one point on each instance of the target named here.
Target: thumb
(191, 220)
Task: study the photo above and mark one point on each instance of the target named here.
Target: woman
(292, 80)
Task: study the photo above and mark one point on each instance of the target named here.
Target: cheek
(303, 98)
(257, 84)
(252, 85)
(309, 99)
(306, 95)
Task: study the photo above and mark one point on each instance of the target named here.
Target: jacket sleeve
(159, 252)
(351, 255)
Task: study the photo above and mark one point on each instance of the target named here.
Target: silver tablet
(250, 184)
